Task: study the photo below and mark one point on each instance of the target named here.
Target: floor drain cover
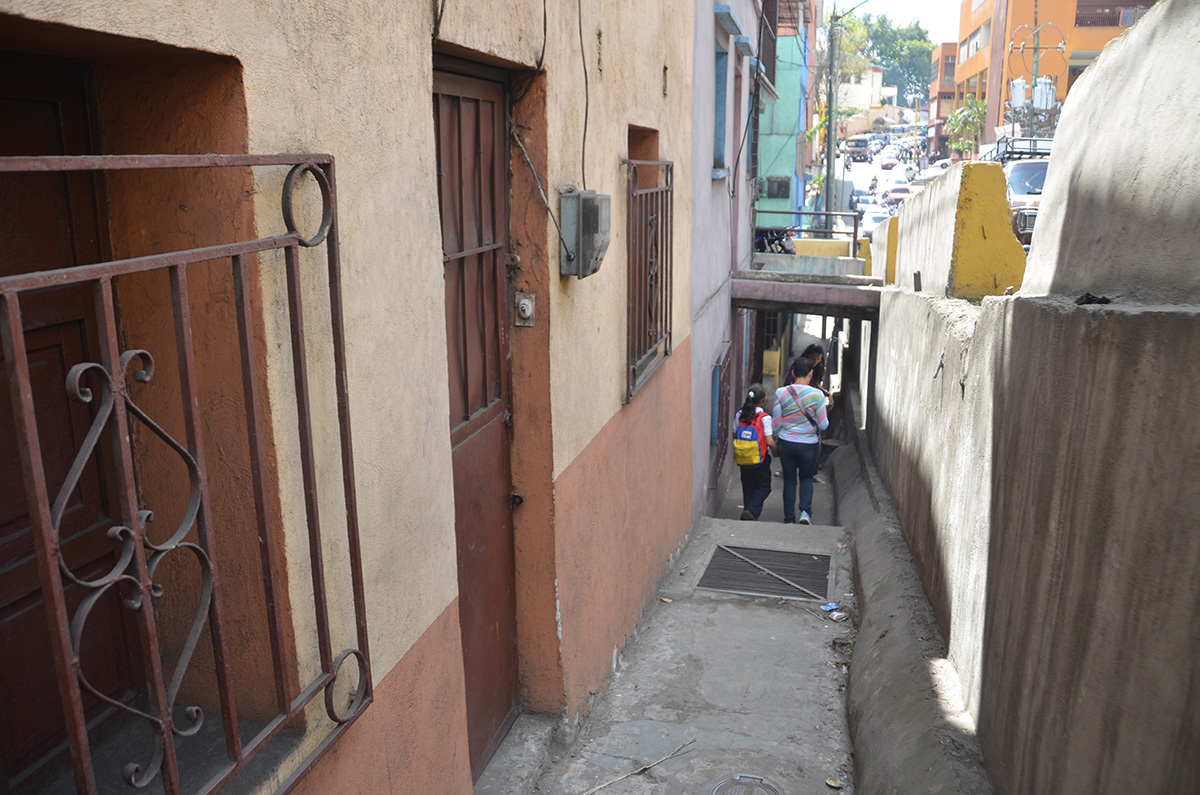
(767, 572)
(744, 784)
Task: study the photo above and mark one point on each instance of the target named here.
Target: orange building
(997, 37)
(942, 67)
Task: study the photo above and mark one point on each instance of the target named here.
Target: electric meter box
(586, 230)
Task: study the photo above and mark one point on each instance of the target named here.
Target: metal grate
(744, 784)
(767, 572)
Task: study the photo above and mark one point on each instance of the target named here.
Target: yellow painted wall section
(864, 253)
(822, 248)
(987, 257)
(957, 234)
(882, 260)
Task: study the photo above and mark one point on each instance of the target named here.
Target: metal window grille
(650, 206)
(151, 754)
(723, 374)
(769, 38)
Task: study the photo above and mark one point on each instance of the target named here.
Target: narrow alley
(386, 391)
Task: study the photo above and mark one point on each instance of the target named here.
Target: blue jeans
(799, 463)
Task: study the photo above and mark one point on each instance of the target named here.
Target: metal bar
(127, 490)
(630, 222)
(464, 254)
(122, 267)
(670, 255)
(127, 162)
(308, 462)
(189, 393)
(266, 734)
(338, 329)
(258, 461)
(802, 229)
(12, 338)
(462, 241)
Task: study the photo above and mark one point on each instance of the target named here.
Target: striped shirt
(794, 406)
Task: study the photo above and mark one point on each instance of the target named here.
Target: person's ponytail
(753, 398)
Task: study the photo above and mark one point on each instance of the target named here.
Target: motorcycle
(775, 241)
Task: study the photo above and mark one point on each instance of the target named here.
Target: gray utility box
(586, 230)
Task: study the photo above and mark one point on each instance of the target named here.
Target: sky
(939, 17)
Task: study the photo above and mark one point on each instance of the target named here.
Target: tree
(965, 125)
(902, 53)
(851, 53)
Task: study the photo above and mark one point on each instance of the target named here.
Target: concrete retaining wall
(1041, 456)
(1040, 467)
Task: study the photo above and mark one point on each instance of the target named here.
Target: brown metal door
(470, 123)
(50, 221)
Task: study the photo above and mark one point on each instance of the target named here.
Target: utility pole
(830, 148)
(1037, 51)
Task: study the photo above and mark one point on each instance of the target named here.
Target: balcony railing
(185, 655)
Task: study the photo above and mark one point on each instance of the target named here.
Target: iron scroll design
(136, 573)
(113, 387)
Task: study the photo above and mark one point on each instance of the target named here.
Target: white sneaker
(805, 518)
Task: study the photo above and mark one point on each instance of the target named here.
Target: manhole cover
(744, 784)
(767, 572)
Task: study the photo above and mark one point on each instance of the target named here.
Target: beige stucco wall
(356, 81)
(625, 87)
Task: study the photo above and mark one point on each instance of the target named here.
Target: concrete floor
(722, 684)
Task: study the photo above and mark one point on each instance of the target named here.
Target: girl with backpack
(753, 444)
(798, 418)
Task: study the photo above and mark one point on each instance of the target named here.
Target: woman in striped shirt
(798, 418)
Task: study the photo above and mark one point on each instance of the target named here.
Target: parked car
(1025, 179)
(888, 162)
(943, 164)
(898, 194)
(872, 220)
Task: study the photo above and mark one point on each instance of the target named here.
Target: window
(933, 73)
(722, 372)
(779, 187)
(1128, 16)
(985, 34)
(962, 51)
(650, 232)
(721, 106)
(973, 43)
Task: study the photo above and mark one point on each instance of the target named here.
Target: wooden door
(470, 127)
(50, 221)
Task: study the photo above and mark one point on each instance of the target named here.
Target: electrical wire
(586, 99)
(437, 20)
(542, 193)
(751, 110)
(526, 84)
